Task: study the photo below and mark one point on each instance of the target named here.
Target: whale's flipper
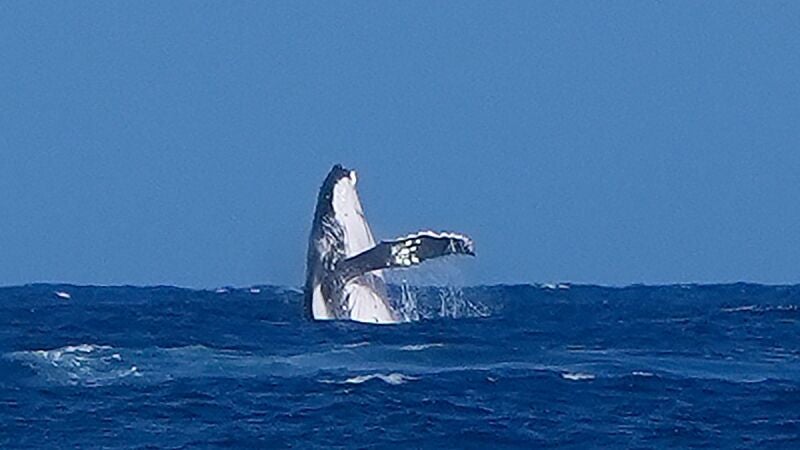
(405, 252)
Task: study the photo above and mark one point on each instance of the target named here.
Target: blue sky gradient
(600, 142)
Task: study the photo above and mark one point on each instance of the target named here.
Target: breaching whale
(344, 278)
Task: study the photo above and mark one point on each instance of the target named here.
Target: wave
(639, 373)
(740, 308)
(356, 344)
(88, 364)
(94, 364)
(577, 376)
(58, 355)
(420, 347)
(762, 308)
(392, 378)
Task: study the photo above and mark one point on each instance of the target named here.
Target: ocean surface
(483, 367)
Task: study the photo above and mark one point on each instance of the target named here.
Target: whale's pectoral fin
(405, 252)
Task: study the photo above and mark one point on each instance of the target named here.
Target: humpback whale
(344, 268)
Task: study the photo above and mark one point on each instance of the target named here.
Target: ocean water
(495, 366)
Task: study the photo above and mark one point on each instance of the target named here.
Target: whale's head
(342, 207)
(344, 197)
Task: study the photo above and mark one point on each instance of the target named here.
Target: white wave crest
(762, 308)
(740, 308)
(69, 353)
(638, 373)
(392, 378)
(420, 347)
(88, 364)
(356, 344)
(577, 376)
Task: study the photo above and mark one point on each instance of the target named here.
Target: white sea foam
(78, 352)
(392, 378)
(787, 308)
(255, 290)
(762, 308)
(356, 344)
(64, 295)
(87, 364)
(740, 308)
(637, 373)
(420, 347)
(577, 376)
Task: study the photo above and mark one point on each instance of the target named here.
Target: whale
(344, 266)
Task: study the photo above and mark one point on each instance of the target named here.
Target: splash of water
(433, 292)
(408, 306)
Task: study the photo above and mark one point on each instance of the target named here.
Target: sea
(506, 366)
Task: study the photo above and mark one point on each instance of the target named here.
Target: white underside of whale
(364, 294)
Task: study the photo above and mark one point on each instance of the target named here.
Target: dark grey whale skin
(317, 264)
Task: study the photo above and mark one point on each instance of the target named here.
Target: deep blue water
(500, 367)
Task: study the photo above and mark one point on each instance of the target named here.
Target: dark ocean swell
(500, 366)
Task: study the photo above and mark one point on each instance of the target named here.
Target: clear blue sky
(602, 142)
